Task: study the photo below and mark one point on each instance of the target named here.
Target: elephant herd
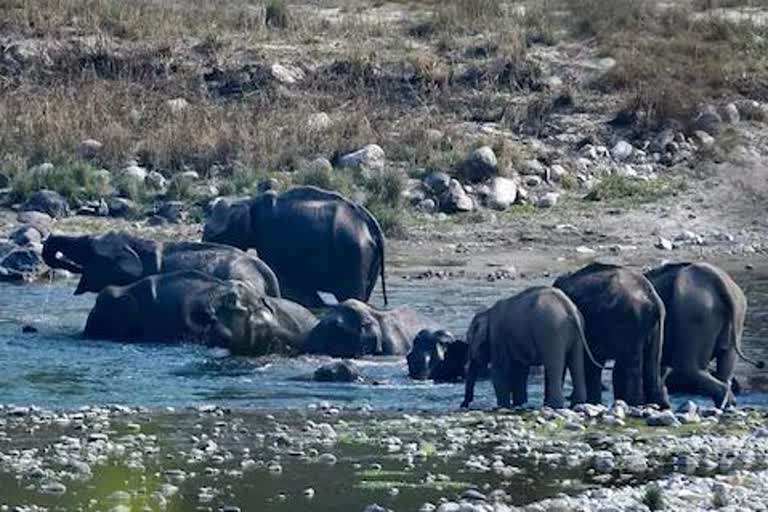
(266, 261)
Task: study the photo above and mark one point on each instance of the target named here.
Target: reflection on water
(55, 368)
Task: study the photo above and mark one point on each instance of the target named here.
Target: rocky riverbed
(331, 458)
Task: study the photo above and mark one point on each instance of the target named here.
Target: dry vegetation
(105, 69)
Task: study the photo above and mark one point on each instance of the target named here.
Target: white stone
(622, 150)
(287, 74)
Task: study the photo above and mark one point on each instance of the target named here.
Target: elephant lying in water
(315, 240)
(355, 329)
(624, 319)
(195, 307)
(121, 259)
(705, 320)
(539, 326)
(437, 356)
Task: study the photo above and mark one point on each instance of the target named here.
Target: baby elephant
(540, 326)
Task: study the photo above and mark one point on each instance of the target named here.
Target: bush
(276, 14)
(622, 187)
(654, 498)
(74, 181)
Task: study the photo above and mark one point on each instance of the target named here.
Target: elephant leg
(619, 378)
(520, 384)
(702, 382)
(553, 383)
(501, 385)
(576, 369)
(630, 380)
(593, 376)
(726, 365)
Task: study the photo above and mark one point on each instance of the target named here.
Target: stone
(96, 208)
(5, 181)
(703, 139)
(26, 235)
(172, 211)
(22, 265)
(664, 244)
(622, 150)
(48, 202)
(41, 221)
(548, 200)
(730, 113)
(428, 205)
(708, 121)
(89, 149)
(177, 105)
(532, 181)
(663, 419)
(368, 159)
(121, 207)
(662, 141)
(456, 199)
(533, 168)
(339, 371)
(286, 73)
(437, 182)
(603, 462)
(480, 165)
(319, 122)
(135, 173)
(556, 173)
(502, 193)
(156, 182)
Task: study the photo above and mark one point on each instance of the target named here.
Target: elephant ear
(113, 247)
(479, 337)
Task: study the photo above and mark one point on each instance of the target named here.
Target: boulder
(428, 205)
(480, 165)
(96, 208)
(456, 199)
(89, 149)
(622, 150)
(121, 207)
(532, 181)
(708, 121)
(338, 371)
(156, 182)
(135, 173)
(22, 265)
(703, 139)
(172, 211)
(502, 193)
(48, 202)
(319, 122)
(41, 221)
(287, 74)
(533, 168)
(730, 113)
(368, 159)
(661, 142)
(26, 235)
(548, 200)
(437, 182)
(319, 164)
(415, 192)
(556, 173)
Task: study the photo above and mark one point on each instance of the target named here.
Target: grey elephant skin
(191, 306)
(120, 259)
(705, 321)
(314, 240)
(355, 329)
(438, 356)
(624, 321)
(539, 326)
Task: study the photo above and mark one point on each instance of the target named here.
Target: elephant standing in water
(539, 326)
(196, 307)
(705, 320)
(355, 329)
(121, 259)
(315, 240)
(438, 356)
(624, 321)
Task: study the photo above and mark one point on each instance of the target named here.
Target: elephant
(355, 329)
(624, 321)
(438, 356)
(191, 306)
(538, 326)
(705, 320)
(121, 259)
(315, 240)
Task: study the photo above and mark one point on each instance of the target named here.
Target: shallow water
(55, 368)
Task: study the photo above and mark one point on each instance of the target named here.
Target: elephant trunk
(64, 252)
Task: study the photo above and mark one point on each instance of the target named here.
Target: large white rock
(287, 74)
(502, 193)
(369, 158)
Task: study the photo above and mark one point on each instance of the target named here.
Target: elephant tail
(576, 314)
(378, 236)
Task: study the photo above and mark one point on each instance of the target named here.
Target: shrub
(654, 497)
(74, 181)
(617, 187)
(276, 14)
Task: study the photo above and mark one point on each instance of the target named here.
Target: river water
(57, 369)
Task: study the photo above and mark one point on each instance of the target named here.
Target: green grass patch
(74, 181)
(382, 485)
(614, 188)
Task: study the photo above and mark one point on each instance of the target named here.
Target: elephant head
(246, 322)
(349, 330)
(115, 315)
(437, 355)
(479, 341)
(101, 261)
(229, 223)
